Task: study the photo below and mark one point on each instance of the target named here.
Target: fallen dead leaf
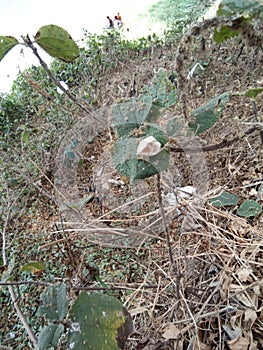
(171, 331)
(239, 343)
(243, 274)
(138, 310)
(250, 318)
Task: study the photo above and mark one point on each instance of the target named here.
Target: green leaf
(224, 199)
(128, 116)
(49, 336)
(154, 130)
(206, 116)
(54, 302)
(6, 44)
(98, 322)
(249, 208)
(124, 156)
(35, 267)
(248, 8)
(175, 125)
(25, 137)
(252, 93)
(57, 42)
(162, 91)
(225, 32)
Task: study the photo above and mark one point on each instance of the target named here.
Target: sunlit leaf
(6, 44)
(35, 267)
(252, 93)
(25, 137)
(224, 33)
(57, 42)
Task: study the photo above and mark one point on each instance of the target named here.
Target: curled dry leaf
(239, 343)
(138, 310)
(148, 147)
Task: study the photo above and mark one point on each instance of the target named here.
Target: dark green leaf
(249, 208)
(57, 42)
(54, 302)
(224, 199)
(124, 156)
(206, 116)
(98, 322)
(155, 131)
(49, 336)
(128, 116)
(6, 44)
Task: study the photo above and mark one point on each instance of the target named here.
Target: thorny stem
(175, 269)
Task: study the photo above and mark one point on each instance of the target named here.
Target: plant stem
(174, 266)
(30, 44)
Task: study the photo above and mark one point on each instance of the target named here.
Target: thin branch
(220, 145)
(31, 335)
(174, 267)
(255, 110)
(10, 287)
(41, 283)
(30, 44)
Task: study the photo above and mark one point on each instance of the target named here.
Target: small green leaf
(224, 33)
(207, 115)
(252, 93)
(57, 42)
(35, 267)
(25, 137)
(6, 44)
(249, 208)
(98, 322)
(49, 336)
(54, 302)
(224, 199)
